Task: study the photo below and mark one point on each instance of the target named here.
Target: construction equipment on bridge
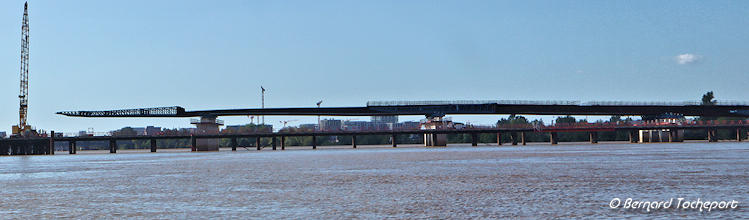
(23, 129)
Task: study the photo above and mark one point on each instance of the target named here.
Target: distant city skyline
(101, 55)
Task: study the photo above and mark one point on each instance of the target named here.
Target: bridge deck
(444, 108)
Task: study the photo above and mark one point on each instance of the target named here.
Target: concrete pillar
(153, 145)
(233, 144)
(711, 135)
(514, 138)
(207, 125)
(394, 141)
(71, 147)
(353, 141)
(273, 142)
(522, 138)
(193, 143)
(257, 142)
(283, 142)
(112, 146)
(314, 142)
(715, 135)
(435, 139)
(499, 139)
(553, 138)
(650, 136)
(631, 136)
(593, 137)
(738, 134)
(474, 139)
(678, 135)
(52, 143)
(670, 136)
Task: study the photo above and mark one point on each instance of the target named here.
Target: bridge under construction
(434, 111)
(442, 108)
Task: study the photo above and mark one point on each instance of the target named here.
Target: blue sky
(96, 55)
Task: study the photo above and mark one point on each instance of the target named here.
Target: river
(375, 182)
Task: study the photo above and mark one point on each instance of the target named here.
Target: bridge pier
(51, 143)
(711, 135)
(553, 138)
(207, 125)
(314, 142)
(738, 134)
(593, 137)
(71, 147)
(233, 144)
(283, 142)
(474, 139)
(257, 142)
(112, 146)
(499, 139)
(394, 141)
(273, 142)
(514, 138)
(193, 143)
(670, 136)
(435, 139)
(522, 137)
(632, 136)
(353, 141)
(153, 145)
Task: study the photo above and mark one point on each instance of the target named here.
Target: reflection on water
(455, 182)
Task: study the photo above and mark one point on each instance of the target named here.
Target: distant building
(233, 128)
(82, 133)
(331, 125)
(366, 126)
(151, 130)
(408, 125)
(358, 125)
(188, 130)
(247, 129)
(384, 119)
(140, 131)
(308, 126)
(2, 134)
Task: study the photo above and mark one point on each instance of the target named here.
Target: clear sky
(98, 55)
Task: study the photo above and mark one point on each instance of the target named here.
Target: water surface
(563, 181)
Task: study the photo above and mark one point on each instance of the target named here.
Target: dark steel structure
(442, 108)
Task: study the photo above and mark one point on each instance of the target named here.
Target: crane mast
(23, 95)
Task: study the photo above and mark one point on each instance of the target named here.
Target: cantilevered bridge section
(209, 125)
(442, 108)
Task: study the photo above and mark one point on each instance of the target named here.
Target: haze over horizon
(94, 55)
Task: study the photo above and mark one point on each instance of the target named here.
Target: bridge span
(442, 108)
(209, 125)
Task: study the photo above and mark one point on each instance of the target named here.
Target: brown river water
(375, 182)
